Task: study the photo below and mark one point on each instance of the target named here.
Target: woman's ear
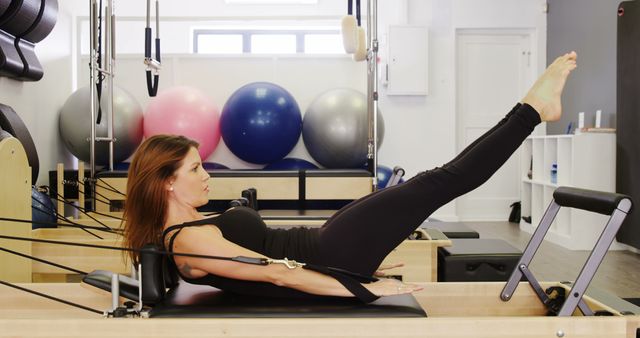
(169, 185)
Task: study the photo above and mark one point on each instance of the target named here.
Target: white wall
(420, 130)
(38, 103)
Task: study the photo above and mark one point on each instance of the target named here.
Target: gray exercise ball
(335, 128)
(75, 125)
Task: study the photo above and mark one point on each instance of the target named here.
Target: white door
(494, 71)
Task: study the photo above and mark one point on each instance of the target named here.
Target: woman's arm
(209, 241)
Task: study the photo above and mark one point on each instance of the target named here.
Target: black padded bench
(475, 260)
(200, 301)
(452, 229)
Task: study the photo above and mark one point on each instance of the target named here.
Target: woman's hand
(380, 272)
(391, 287)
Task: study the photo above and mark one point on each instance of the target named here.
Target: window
(323, 44)
(267, 41)
(273, 43)
(219, 44)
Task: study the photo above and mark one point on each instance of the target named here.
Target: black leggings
(360, 235)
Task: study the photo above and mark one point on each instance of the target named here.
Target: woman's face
(190, 184)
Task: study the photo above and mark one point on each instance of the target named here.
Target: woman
(167, 183)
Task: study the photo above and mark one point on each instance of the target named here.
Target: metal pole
(109, 56)
(372, 87)
(92, 82)
(148, 13)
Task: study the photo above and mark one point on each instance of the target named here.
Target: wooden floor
(619, 273)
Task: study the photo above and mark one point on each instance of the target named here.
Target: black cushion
(201, 301)
(596, 201)
(480, 247)
(102, 280)
(473, 260)
(452, 229)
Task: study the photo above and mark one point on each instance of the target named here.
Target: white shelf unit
(584, 160)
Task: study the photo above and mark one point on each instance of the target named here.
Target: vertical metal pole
(157, 21)
(115, 292)
(372, 87)
(109, 56)
(148, 13)
(92, 82)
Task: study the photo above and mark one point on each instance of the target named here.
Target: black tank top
(244, 226)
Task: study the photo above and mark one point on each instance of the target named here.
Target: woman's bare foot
(545, 94)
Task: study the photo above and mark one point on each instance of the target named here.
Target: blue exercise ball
(384, 173)
(121, 166)
(213, 166)
(261, 123)
(290, 163)
(42, 210)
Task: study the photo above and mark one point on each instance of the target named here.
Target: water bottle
(554, 173)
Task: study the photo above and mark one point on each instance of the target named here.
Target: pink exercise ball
(184, 111)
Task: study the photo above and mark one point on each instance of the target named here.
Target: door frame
(535, 54)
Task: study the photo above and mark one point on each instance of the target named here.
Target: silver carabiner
(289, 263)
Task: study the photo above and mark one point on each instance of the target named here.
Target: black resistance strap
(51, 297)
(43, 209)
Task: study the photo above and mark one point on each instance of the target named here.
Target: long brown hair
(145, 210)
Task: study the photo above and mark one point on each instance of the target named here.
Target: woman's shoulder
(177, 227)
(191, 236)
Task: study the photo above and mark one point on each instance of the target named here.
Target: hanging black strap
(350, 7)
(152, 83)
(152, 79)
(99, 63)
(358, 17)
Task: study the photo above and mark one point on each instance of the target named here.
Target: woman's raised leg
(363, 233)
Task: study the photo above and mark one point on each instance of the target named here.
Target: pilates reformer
(614, 205)
(483, 315)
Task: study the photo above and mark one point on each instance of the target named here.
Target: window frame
(247, 33)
